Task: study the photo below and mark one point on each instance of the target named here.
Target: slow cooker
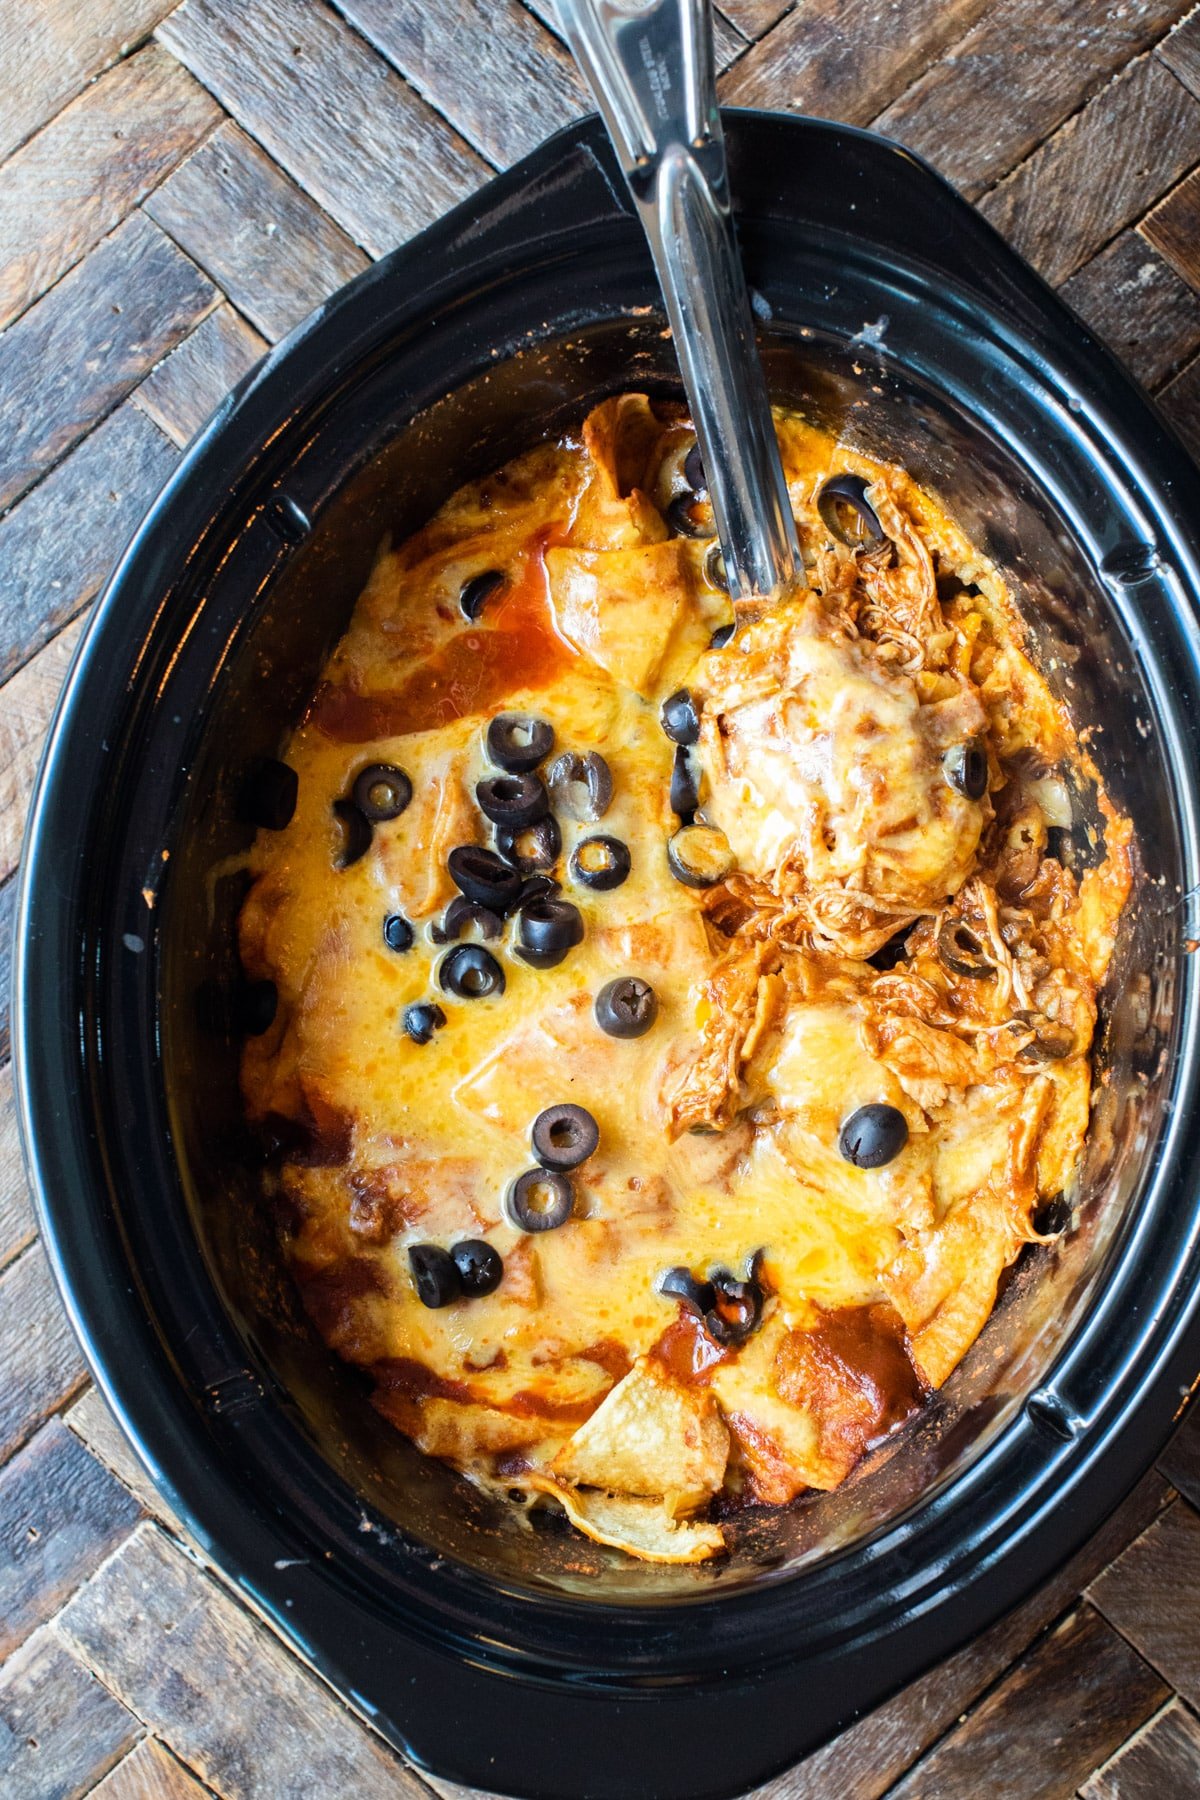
(497, 1653)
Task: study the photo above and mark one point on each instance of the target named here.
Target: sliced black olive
(680, 521)
(422, 1019)
(398, 934)
(484, 877)
(540, 959)
(890, 954)
(381, 791)
(600, 862)
(480, 1267)
(849, 492)
(540, 1200)
(722, 636)
(736, 1311)
(564, 1136)
(966, 769)
(519, 743)
(531, 849)
(1050, 1043)
(626, 1007)
(962, 951)
(873, 1135)
(513, 801)
(680, 720)
(460, 915)
(470, 973)
(699, 856)
(268, 794)
(435, 1275)
(714, 568)
(475, 593)
(550, 925)
(534, 887)
(693, 470)
(253, 1007)
(685, 784)
(356, 832)
(699, 1297)
(580, 786)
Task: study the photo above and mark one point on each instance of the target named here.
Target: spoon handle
(650, 67)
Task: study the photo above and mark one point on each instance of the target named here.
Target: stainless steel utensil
(650, 67)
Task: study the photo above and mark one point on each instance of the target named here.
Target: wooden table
(177, 188)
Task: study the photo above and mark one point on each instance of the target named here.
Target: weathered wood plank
(1158, 1762)
(489, 66)
(59, 1729)
(846, 59)
(1100, 171)
(185, 389)
(149, 1772)
(728, 42)
(8, 898)
(78, 351)
(80, 176)
(1180, 1461)
(755, 17)
(50, 49)
(40, 1358)
(1152, 1595)
(17, 1225)
(1015, 77)
(205, 1676)
(1137, 303)
(92, 1422)
(1180, 401)
(58, 546)
(331, 111)
(27, 703)
(61, 1514)
(270, 247)
(864, 1761)
(1064, 1708)
(1180, 51)
(1174, 228)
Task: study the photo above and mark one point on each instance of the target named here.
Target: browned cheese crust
(788, 996)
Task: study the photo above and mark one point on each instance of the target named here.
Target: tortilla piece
(650, 1436)
(641, 1528)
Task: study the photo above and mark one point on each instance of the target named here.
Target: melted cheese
(824, 727)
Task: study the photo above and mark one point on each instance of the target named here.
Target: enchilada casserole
(671, 1024)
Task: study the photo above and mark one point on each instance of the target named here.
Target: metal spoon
(651, 70)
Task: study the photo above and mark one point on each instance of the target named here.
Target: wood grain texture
(1140, 307)
(1180, 401)
(185, 389)
(1174, 228)
(1180, 51)
(271, 248)
(39, 1356)
(864, 1761)
(59, 1729)
(728, 42)
(1104, 167)
(755, 17)
(91, 1420)
(1158, 1762)
(1152, 1595)
(1180, 1461)
(27, 702)
(149, 1772)
(205, 1675)
(81, 175)
(17, 1225)
(1015, 77)
(61, 1514)
(50, 49)
(489, 66)
(74, 355)
(846, 59)
(59, 544)
(8, 896)
(330, 110)
(1078, 1695)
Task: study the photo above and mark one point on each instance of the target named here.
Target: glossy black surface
(504, 1656)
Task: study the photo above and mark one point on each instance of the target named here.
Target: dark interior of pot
(1078, 639)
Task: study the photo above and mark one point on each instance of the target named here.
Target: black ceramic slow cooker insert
(501, 1655)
